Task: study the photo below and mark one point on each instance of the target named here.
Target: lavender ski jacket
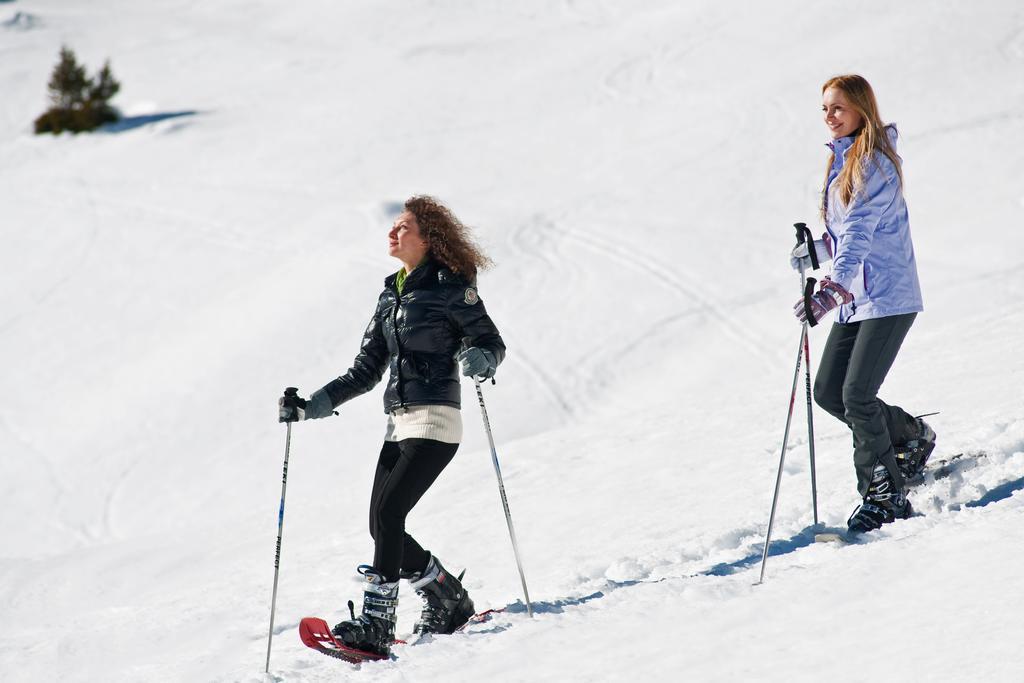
(873, 255)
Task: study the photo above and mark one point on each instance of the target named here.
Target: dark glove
(291, 406)
(829, 296)
(478, 362)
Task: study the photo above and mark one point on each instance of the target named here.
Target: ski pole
(810, 423)
(803, 235)
(501, 490)
(804, 349)
(782, 457)
(290, 391)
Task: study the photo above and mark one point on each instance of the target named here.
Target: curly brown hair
(449, 240)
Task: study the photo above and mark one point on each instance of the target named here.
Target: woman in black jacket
(429, 318)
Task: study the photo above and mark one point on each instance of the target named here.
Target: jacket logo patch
(471, 296)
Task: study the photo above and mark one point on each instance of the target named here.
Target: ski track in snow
(538, 240)
(982, 122)
(213, 232)
(633, 80)
(547, 382)
(943, 497)
(542, 239)
(739, 551)
(1013, 46)
(28, 451)
(662, 275)
(70, 272)
(659, 72)
(590, 12)
(948, 495)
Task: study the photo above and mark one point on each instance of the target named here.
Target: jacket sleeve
(866, 210)
(367, 368)
(467, 313)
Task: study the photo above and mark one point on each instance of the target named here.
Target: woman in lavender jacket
(875, 287)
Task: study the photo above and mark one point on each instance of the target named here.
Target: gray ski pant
(856, 359)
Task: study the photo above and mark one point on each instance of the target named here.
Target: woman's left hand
(478, 362)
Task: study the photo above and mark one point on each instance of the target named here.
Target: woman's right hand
(799, 259)
(293, 408)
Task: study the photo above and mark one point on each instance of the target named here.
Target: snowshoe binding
(884, 503)
(446, 604)
(912, 457)
(373, 631)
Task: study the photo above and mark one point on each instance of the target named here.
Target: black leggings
(405, 470)
(856, 359)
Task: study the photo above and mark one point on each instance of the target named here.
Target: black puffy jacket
(417, 335)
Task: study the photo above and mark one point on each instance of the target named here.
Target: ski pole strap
(803, 234)
(808, 291)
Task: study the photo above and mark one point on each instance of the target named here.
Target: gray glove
(478, 362)
(318, 405)
(799, 259)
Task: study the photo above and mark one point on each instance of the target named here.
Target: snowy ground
(634, 173)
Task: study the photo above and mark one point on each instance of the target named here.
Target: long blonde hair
(871, 137)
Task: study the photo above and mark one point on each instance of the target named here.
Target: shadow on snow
(558, 606)
(133, 122)
(778, 547)
(782, 546)
(1001, 492)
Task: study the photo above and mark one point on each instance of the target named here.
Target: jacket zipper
(398, 347)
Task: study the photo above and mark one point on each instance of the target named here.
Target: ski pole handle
(808, 291)
(803, 234)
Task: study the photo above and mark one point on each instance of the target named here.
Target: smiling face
(840, 116)
(405, 242)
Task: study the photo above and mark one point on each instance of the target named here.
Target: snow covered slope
(634, 172)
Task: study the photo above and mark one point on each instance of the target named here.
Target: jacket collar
(420, 277)
(840, 145)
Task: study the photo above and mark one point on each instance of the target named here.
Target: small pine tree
(101, 90)
(77, 102)
(105, 86)
(68, 83)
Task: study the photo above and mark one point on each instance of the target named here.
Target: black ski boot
(912, 457)
(374, 629)
(446, 604)
(883, 504)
